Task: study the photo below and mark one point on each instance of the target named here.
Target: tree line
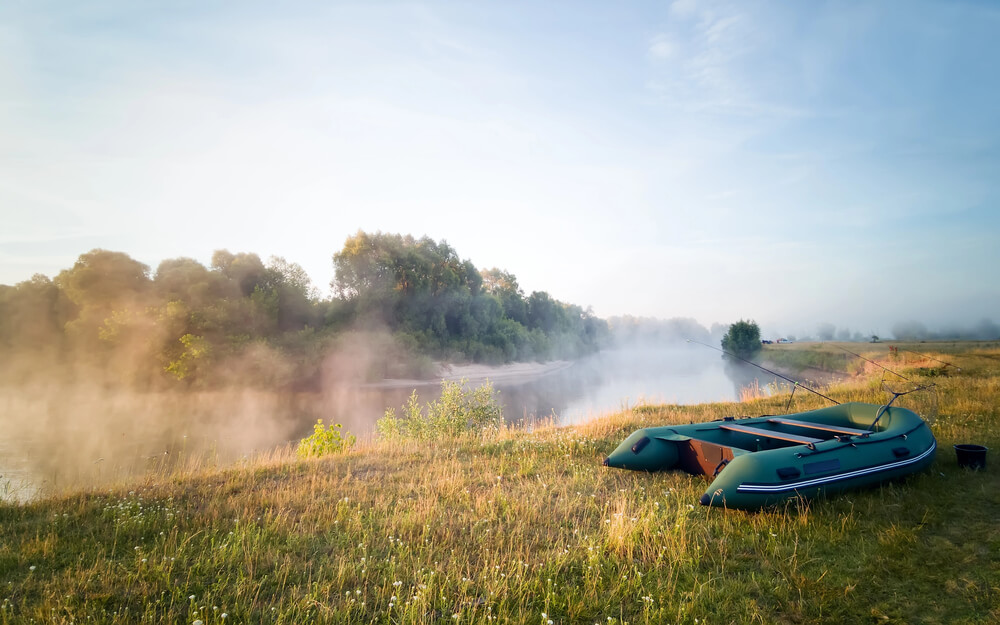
(243, 321)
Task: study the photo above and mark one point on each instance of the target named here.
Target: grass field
(526, 526)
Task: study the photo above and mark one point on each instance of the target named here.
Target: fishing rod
(774, 373)
(874, 363)
(895, 395)
(947, 364)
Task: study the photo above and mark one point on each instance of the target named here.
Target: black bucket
(971, 456)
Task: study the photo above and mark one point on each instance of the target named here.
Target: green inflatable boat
(762, 461)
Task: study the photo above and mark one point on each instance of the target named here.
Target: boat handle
(721, 466)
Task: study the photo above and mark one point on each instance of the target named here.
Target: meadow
(524, 525)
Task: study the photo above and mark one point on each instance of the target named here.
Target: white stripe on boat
(764, 488)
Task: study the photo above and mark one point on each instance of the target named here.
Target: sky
(792, 163)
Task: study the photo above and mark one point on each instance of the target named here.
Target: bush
(324, 441)
(742, 339)
(459, 410)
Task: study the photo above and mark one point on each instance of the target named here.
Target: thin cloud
(660, 47)
(684, 8)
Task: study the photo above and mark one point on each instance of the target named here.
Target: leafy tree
(241, 320)
(186, 280)
(32, 314)
(545, 313)
(295, 294)
(503, 285)
(742, 339)
(194, 350)
(100, 284)
(246, 271)
(103, 280)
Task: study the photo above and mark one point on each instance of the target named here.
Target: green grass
(521, 526)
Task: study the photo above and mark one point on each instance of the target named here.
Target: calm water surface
(56, 437)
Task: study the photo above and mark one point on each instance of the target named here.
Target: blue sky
(789, 162)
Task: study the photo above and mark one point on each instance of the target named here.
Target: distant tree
(544, 312)
(186, 280)
(111, 320)
(503, 285)
(246, 270)
(294, 292)
(100, 284)
(32, 313)
(742, 339)
(825, 331)
(421, 289)
(104, 280)
(910, 331)
(630, 329)
(986, 330)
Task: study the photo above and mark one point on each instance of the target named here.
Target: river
(57, 437)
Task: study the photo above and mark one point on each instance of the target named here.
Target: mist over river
(55, 437)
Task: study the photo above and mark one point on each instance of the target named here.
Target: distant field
(836, 357)
(524, 526)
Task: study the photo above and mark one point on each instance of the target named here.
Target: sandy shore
(513, 373)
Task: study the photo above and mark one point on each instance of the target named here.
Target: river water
(55, 437)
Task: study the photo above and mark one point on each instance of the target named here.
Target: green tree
(503, 285)
(422, 289)
(417, 286)
(100, 284)
(296, 296)
(245, 270)
(186, 280)
(32, 314)
(742, 339)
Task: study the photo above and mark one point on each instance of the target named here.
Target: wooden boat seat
(784, 436)
(819, 426)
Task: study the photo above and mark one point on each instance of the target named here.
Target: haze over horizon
(795, 164)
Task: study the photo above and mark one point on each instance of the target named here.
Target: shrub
(742, 339)
(459, 410)
(325, 440)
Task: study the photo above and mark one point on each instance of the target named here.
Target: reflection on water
(613, 380)
(57, 437)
